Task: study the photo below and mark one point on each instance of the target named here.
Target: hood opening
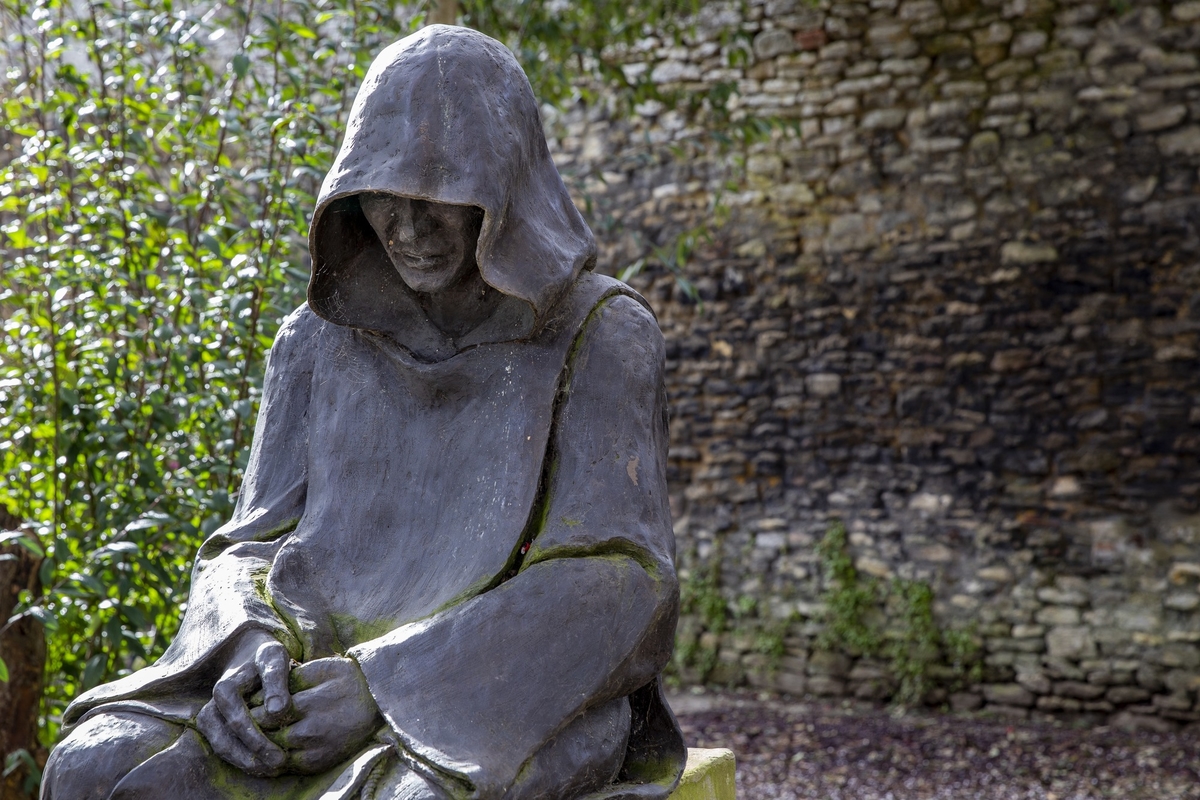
(447, 115)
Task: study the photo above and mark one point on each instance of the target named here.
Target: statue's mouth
(422, 260)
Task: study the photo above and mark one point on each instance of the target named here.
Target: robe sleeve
(227, 596)
(474, 691)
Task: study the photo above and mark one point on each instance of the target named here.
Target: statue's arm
(475, 690)
(227, 611)
(227, 596)
(227, 599)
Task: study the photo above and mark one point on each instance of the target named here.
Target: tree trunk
(23, 648)
(443, 12)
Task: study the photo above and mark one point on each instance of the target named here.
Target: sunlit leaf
(241, 62)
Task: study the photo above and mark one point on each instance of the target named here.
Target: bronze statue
(450, 573)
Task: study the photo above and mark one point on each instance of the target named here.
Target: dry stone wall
(955, 306)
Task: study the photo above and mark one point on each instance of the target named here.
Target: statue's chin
(429, 275)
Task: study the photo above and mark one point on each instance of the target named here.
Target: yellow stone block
(707, 776)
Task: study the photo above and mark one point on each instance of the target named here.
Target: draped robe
(480, 523)
(366, 527)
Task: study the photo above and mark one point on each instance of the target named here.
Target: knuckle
(221, 744)
(205, 719)
(271, 650)
(225, 696)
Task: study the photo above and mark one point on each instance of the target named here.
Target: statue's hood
(447, 115)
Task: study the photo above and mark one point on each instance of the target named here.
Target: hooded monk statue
(450, 573)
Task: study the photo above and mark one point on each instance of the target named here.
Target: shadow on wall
(956, 308)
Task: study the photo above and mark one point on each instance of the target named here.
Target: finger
(307, 733)
(273, 722)
(241, 680)
(229, 700)
(311, 760)
(272, 662)
(229, 748)
(307, 724)
(313, 673)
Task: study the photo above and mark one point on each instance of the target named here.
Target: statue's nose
(405, 230)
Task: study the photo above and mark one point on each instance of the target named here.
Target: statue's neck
(460, 308)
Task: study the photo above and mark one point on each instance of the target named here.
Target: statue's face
(432, 245)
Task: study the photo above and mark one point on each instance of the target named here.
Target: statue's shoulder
(301, 335)
(301, 319)
(622, 304)
(298, 327)
(612, 317)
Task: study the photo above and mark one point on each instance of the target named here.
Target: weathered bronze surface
(450, 573)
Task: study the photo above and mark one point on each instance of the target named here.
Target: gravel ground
(830, 751)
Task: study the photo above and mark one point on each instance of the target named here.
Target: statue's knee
(89, 763)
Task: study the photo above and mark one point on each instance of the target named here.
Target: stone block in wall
(673, 72)
(961, 702)
(1078, 690)
(1159, 119)
(778, 680)
(1056, 704)
(1007, 712)
(1173, 702)
(1062, 597)
(1149, 678)
(1182, 681)
(828, 663)
(884, 119)
(1184, 142)
(1035, 681)
(1187, 11)
(772, 43)
(1180, 655)
(1058, 616)
(1070, 642)
(727, 671)
(1028, 253)
(1008, 694)
(1138, 617)
(826, 686)
(849, 232)
(1125, 695)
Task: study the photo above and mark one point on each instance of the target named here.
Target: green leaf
(19, 538)
(3, 671)
(41, 614)
(18, 758)
(241, 63)
(94, 671)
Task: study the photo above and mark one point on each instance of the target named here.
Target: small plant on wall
(894, 621)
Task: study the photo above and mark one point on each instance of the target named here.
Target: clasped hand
(308, 719)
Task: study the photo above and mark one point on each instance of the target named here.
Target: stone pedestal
(708, 776)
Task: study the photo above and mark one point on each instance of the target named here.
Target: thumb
(313, 673)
